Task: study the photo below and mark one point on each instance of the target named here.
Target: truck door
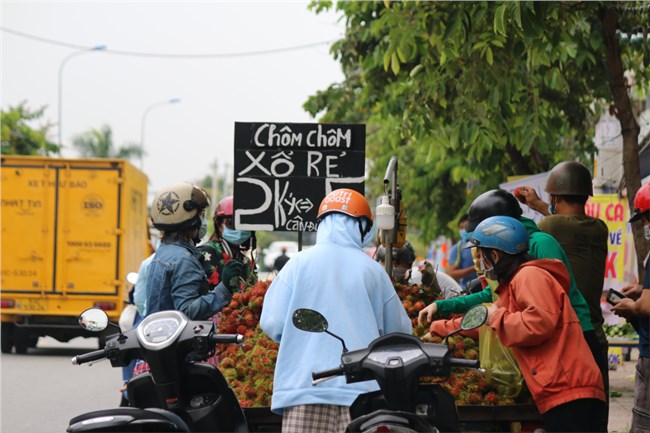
(88, 230)
(28, 201)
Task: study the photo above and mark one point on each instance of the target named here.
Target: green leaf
(453, 24)
(416, 70)
(387, 56)
(394, 64)
(500, 20)
(488, 56)
(517, 14)
(453, 138)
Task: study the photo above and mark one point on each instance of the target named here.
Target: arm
(187, 281)
(276, 309)
(536, 296)
(461, 304)
(445, 327)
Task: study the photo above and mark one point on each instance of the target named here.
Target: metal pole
(142, 125)
(63, 62)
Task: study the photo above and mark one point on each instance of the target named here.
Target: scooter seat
(128, 419)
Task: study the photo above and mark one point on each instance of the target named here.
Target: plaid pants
(315, 418)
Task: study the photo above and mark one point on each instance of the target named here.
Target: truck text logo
(92, 204)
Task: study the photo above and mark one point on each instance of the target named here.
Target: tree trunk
(629, 127)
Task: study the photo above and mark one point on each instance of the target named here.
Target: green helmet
(569, 178)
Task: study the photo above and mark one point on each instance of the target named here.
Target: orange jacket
(535, 318)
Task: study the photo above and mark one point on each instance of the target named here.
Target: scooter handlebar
(316, 375)
(89, 357)
(467, 363)
(226, 339)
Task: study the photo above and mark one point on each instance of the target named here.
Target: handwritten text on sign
(283, 171)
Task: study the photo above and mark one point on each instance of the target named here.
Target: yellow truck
(72, 229)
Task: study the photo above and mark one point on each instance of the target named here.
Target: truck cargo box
(71, 231)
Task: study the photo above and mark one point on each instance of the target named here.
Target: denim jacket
(174, 281)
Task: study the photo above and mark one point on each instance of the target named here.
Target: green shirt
(584, 239)
(542, 246)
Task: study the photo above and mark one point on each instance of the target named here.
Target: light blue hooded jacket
(354, 293)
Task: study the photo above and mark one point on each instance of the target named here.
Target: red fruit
(241, 329)
(234, 304)
(517, 193)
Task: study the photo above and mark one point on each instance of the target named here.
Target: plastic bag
(500, 364)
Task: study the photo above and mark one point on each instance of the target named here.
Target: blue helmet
(501, 233)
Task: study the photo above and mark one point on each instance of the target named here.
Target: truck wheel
(7, 337)
(21, 341)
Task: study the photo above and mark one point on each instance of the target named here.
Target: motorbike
(179, 393)
(397, 361)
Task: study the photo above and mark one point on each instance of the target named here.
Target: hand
(624, 308)
(490, 309)
(529, 197)
(632, 291)
(426, 314)
(232, 271)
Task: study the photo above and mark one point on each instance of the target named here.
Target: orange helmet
(346, 201)
(641, 202)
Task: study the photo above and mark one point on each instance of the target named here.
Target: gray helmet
(492, 203)
(178, 207)
(569, 178)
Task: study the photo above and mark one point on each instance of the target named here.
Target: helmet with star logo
(178, 207)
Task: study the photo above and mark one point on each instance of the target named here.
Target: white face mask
(488, 272)
(646, 232)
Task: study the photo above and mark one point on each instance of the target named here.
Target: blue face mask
(464, 236)
(204, 229)
(236, 237)
(551, 209)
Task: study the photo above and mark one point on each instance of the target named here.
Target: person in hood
(336, 278)
(533, 316)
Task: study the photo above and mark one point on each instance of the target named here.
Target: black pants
(599, 351)
(575, 416)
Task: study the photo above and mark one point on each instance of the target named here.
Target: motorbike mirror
(475, 317)
(132, 277)
(309, 320)
(93, 319)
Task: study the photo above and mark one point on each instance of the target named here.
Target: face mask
(204, 228)
(488, 272)
(646, 233)
(464, 236)
(551, 208)
(236, 237)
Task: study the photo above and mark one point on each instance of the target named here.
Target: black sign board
(283, 171)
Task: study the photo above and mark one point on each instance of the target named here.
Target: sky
(130, 92)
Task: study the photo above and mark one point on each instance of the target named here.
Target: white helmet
(178, 207)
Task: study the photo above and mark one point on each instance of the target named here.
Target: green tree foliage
(18, 138)
(469, 93)
(98, 143)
